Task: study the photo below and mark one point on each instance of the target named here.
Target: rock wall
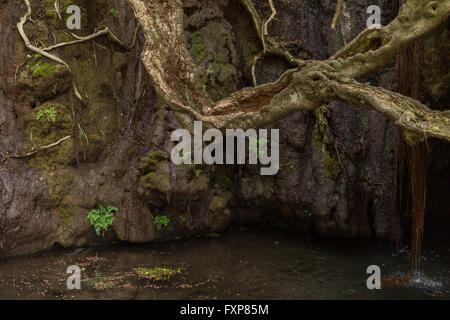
(340, 185)
(336, 167)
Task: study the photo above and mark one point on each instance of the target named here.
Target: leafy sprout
(50, 113)
(114, 12)
(102, 218)
(160, 221)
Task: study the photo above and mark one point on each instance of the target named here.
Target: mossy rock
(223, 179)
(45, 129)
(198, 53)
(331, 166)
(435, 72)
(152, 159)
(158, 180)
(227, 73)
(44, 80)
(119, 61)
(65, 215)
(219, 221)
(217, 204)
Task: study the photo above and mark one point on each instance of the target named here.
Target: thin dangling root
(270, 47)
(44, 51)
(337, 15)
(35, 150)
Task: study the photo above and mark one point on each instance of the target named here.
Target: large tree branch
(309, 86)
(418, 121)
(372, 49)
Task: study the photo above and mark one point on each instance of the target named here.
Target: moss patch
(43, 131)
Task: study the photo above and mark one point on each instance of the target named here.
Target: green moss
(37, 68)
(148, 179)
(62, 213)
(435, 71)
(196, 51)
(49, 113)
(157, 273)
(114, 13)
(331, 166)
(43, 70)
(158, 179)
(66, 215)
(196, 37)
(43, 131)
(151, 159)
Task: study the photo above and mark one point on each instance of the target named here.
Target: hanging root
(266, 23)
(270, 46)
(44, 51)
(337, 15)
(58, 12)
(35, 150)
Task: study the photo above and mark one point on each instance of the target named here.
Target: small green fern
(102, 218)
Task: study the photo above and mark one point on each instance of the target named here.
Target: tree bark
(307, 87)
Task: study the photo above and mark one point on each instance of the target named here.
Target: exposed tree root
(270, 47)
(34, 151)
(58, 12)
(337, 15)
(265, 28)
(45, 50)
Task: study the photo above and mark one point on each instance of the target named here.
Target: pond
(239, 264)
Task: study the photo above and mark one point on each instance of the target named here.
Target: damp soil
(239, 264)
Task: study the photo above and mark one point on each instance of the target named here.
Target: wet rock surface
(119, 153)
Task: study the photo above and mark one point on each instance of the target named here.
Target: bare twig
(57, 9)
(36, 150)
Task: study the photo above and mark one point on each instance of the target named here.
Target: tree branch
(418, 121)
(308, 87)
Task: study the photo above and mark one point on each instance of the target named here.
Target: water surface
(246, 264)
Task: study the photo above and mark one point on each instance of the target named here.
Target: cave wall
(45, 198)
(339, 186)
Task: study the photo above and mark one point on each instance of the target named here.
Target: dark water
(247, 264)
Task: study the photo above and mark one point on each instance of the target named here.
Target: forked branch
(312, 84)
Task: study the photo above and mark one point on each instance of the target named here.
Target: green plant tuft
(102, 218)
(114, 12)
(160, 221)
(157, 273)
(50, 113)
